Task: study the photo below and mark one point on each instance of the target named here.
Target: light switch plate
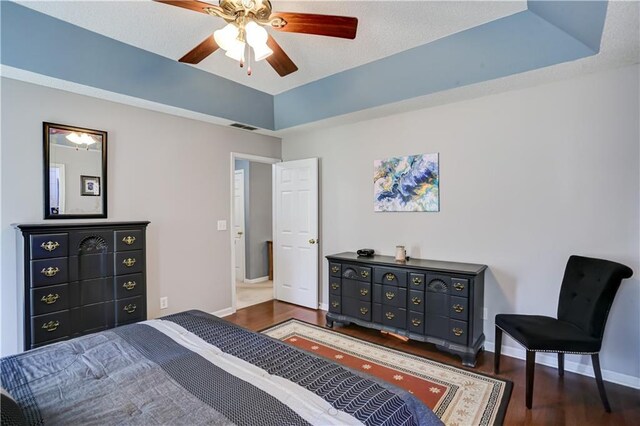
(222, 225)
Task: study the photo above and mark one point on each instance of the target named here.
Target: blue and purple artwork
(407, 184)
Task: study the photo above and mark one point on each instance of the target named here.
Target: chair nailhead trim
(545, 350)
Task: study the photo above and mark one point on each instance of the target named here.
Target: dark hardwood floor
(572, 400)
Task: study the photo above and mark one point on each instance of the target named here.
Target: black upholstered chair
(588, 289)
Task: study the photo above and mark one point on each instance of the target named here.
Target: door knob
(240, 232)
(312, 241)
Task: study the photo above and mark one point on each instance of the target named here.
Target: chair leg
(560, 364)
(531, 364)
(595, 360)
(496, 351)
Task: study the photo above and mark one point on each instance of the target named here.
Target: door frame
(256, 159)
(243, 269)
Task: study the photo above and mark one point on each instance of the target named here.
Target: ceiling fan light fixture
(261, 52)
(257, 38)
(236, 51)
(227, 37)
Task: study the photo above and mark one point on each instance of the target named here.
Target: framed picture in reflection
(90, 186)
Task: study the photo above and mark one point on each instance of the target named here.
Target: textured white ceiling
(384, 28)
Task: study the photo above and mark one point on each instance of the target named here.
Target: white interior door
(238, 224)
(296, 232)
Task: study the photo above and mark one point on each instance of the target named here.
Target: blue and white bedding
(193, 368)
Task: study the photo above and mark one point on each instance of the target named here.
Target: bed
(194, 368)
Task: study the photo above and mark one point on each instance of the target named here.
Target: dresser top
(35, 227)
(432, 265)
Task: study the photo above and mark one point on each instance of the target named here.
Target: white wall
(170, 170)
(527, 178)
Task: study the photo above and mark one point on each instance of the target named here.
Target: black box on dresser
(81, 278)
(430, 301)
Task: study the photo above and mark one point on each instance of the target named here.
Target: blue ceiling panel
(511, 45)
(584, 20)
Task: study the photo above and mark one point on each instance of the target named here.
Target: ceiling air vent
(242, 126)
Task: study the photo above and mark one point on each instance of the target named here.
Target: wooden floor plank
(571, 400)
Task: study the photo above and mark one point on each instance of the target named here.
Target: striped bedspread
(193, 368)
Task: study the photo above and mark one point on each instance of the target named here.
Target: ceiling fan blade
(196, 5)
(201, 51)
(325, 25)
(279, 60)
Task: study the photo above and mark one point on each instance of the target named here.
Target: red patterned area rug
(458, 397)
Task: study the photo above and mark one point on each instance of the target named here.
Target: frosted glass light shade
(261, 51)
(257, 38)
(236, 51)
(227, 37)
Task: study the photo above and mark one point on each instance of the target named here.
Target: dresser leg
(469, 360)
(329, 324)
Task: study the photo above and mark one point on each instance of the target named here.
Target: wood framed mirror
(75, 172)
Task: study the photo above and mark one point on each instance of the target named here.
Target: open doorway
(252, 230)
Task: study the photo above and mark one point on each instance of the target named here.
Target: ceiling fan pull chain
(244, 52)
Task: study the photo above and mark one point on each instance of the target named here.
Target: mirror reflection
(75, 172)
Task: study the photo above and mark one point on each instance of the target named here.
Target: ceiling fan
(246, 20)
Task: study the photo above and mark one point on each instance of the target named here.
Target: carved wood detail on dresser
(430, 301)
(81, 278)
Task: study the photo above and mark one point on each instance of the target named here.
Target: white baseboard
(551, 360)
(323, 306)
(256, 280)
(224, 312)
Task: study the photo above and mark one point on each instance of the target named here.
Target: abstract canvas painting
(407, 184)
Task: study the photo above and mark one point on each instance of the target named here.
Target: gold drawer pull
(130, 308)
(129, 285)
(458, 286)
(129, 262)
(364, 311)
(416, 322)
(458, 308)
(50, 299)
(390, 295)
(335, 286)
(364, 274)
(128, 240)
(364, 291)
(416, 300)
(389, 315)
(335, 269)
(457, 331)
(417, 280)
(51, 326)
(390, 276)
(50, 245)
(50, 272)
(335, 304)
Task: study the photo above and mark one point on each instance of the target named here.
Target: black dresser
(81, 278)
(430, 301)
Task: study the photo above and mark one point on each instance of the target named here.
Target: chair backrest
(588, 289)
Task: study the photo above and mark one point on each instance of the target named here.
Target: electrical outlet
(164, 302)
(485, 314)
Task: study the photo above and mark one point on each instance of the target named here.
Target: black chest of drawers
(81, 278)
(430, 301)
